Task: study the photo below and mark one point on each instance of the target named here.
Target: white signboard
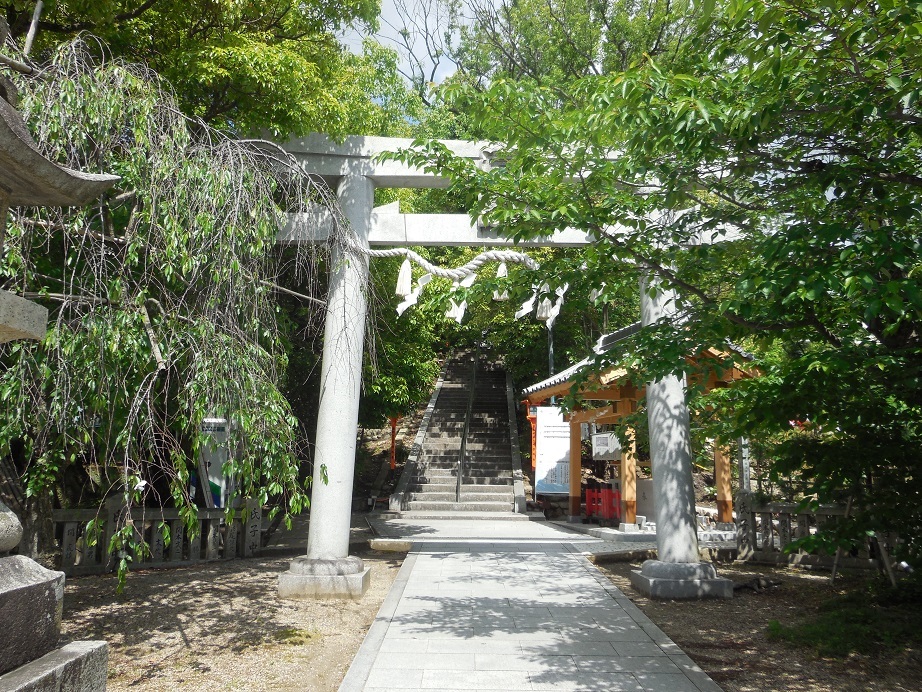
(212, 458)
(605, 447)
(552, 462)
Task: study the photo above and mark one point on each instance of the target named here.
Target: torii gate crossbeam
(353, 171)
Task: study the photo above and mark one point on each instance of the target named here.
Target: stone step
(480, 469)
(493, 454)
(474, 461)
(455, 440)
(475, 476)
(472, 433)
(465, 497)
(421, 506)
(452, 487)
(467, 516)
(451, 461)
(497, 451)
(503, 478)
(487, 480)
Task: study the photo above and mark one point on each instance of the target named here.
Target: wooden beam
(589, 415)
(609, 419)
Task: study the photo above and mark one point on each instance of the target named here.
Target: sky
(423, 13)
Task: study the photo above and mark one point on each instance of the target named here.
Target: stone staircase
(487, 474)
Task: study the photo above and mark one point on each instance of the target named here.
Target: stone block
(10, 529)
(325, 578)
(21, 318)
(390, 545)
(296, 586)
(31, 603)
(76, 667)
(680, 581)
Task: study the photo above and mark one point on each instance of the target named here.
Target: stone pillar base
(338, 578)
(628, 528)
(31, 603)
(680, 581)
(75, 667)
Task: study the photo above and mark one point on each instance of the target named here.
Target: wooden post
(722, 481)
(576, 470)
(629, 479)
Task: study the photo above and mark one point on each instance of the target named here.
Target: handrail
(467, 423)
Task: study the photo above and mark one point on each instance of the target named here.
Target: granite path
(511, 605)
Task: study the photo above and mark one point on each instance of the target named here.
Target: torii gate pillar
(327, 570)
(678, 572)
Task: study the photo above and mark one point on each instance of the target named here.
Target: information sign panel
(552, 467)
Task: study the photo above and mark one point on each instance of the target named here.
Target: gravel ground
(727, 638)
(221, 626)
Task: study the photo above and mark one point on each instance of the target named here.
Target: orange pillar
(576, 470)
(722, 481)
(628, 479)
(533, 420)
(534, 442)
(394, 420)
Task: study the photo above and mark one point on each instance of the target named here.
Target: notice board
(552, 457)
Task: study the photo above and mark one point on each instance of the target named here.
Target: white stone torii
(352, 170)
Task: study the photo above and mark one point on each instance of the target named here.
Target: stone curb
(358, 672)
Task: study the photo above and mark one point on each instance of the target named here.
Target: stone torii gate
(352, 170)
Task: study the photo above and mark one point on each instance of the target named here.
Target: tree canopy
(161, 297)
(247, 67)
(772, 178)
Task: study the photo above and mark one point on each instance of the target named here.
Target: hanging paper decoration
(414, 296)
(455, 311)
(555, 310)
(501, 273)
(404, 279)
(459, 315)
(544, 309)
(527, 307)
(468, 280)
(596, 293)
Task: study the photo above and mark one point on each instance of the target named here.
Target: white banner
(552, 463)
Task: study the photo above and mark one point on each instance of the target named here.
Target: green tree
(402, 363)
(248, 67)
(772, 179)
(553, 42)
(161, 300)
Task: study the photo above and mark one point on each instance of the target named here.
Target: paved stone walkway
(502, 605)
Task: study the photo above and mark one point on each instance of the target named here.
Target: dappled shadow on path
(480, 617)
